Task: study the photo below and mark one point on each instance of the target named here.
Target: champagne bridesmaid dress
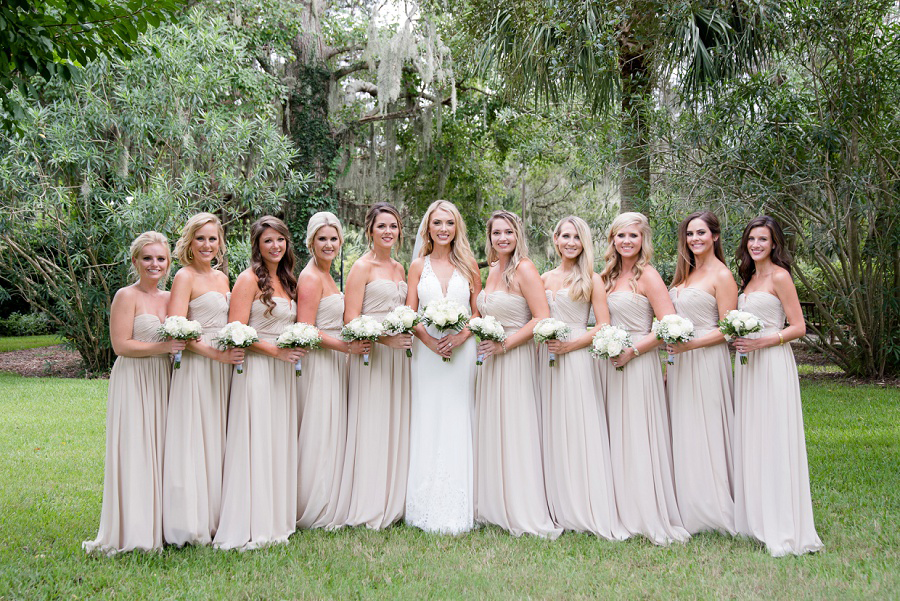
(701, 407)
(259, 486)
(509, 477)
(575, 439)
(131, 517)
(323, 422)
(376, 463)
(771, 476)
(195, 428)
(639, 431)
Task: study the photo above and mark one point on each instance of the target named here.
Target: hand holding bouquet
(401, 320)
(237, 335)
(486, 328)
(362, 328)
(673, 329)
(299, 335)
(551, 329)
(738, 324)
(610, 342)
(446, 315)
(180, 328)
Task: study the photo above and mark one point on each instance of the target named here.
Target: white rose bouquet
(738, 324)
(486, 328)
(446, 315)
(610, 341)
(401, 320)
(362, 328)
(673, 329)
(551, 329)
(180, 328)
(236, 335)
(299, 335)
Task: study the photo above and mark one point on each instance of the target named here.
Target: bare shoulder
(399, 269)
(309, 281)
(416, 266)
(247, 278)
(723, 276)
(652, 277)
(183, 277)
(527, 268)
(221, 276)
(782, 277)
(125, 295)
(362, 267)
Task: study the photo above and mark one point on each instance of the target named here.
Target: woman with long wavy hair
(640, 450)
(259, 485)
(772, 499)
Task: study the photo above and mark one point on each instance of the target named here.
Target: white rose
(614, 348)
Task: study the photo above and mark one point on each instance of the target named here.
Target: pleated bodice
(330, 315)
(146, 328)
(697, 305)
(270, 326)
(511, 310)
(382, 296)
(767, 307)
(573, 313)
(631, 312)
(211, 310)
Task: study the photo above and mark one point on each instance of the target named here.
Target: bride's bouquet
(672, 329)
(299, 335)
(401, 320)
(486, 328)
(738, 324)
(363, 327)
(180, 328)
(551, 329)
(236, 335)
(609, 342)
(446, 315)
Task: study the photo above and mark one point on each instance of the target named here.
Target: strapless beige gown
(131, 517)
(575, 439)
(376, 462)
(701, 408)
(323, 422)
(638, 420)
(509, 477)
(259, 486)
(771, 475)
(195, 441)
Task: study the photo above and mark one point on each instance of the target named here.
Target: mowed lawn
(51, 476)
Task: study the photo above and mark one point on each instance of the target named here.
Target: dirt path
(46, 361)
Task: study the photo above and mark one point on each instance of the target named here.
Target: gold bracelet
(503, 345)
(637, 353)
(781, 338)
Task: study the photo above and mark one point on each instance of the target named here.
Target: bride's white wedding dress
(439, 492)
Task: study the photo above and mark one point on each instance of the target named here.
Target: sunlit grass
(18, 343)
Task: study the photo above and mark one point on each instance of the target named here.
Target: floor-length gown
(701, 409)
(439, 493)
(509, 477)
(131, 517)
(771, 475)
(376, 462)
(323, 422)
(259, 485)
(639, 440)
(577, 470)
(195, 433)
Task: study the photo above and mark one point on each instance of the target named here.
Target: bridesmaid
(509, 478)
(700, 384)
(198, 399)
(635, 399)
(323, 387)
(373, 478)
(259, 486)
(575, 439)
(771, 490)
(131, 517)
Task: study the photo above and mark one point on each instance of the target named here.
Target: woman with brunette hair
(700, 383)
(638, 421)
(509, 477)
(376, 462)
(771, 494)
(198, 399)
(259, 487)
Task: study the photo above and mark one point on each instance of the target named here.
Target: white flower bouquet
(299, 335)
(486, 328)
(738, 324)
(446, 315)
(236, 335)
(609, 342)
(180, 328)
(551, 329)
(673, 329)
(362, 328)
(401, 320)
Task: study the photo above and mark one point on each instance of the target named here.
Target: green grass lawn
(18, 343)
(52, 448)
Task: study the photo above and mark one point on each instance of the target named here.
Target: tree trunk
(634, 153)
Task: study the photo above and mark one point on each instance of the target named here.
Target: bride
(439, 492)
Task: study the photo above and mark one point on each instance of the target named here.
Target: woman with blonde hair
(198, 399)
(439, 493)
(259, 484)
(575, 438)
(638, 421)
(509, 477)
(131, 517)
